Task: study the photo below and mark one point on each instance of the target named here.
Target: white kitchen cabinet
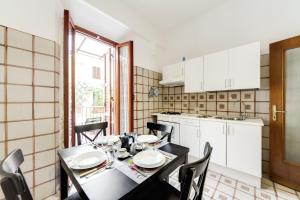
(244, 67)
(193, 75)
(244, 148)
(190, 137)
(216, 71)
(175, 137)
(173, 75)
(214, 133)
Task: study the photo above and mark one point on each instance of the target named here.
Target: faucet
(244, 115)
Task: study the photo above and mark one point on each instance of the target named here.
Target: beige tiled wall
(28, 101)
(143, 104)
(228, 103)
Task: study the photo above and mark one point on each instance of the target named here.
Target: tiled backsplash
(29, 106)
(144, 105)
(228, 103)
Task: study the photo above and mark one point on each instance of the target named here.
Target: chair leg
(63, 183)
(78, 139)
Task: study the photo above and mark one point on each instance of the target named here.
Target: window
(96, 73)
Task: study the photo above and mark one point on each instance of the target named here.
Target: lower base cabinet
(190, 138)
(215, 134)
(244, 148)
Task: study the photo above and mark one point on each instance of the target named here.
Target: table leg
(63, 183)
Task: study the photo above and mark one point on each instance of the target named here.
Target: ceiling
(166, 14)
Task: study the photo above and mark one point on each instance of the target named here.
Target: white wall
(234, 23)
(37, 17)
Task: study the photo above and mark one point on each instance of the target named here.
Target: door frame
(130, 86)
(281, 170)
(68, 22)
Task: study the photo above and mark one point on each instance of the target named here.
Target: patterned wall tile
(211, 96)
(248, 95)
(202, 97)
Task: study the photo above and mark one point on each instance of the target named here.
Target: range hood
(173, 75)
(172, 83)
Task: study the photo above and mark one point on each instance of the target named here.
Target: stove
(171, 113)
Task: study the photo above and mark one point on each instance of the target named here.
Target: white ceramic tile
(226, 189)
(228, 181)
(44, 190)
(56, 94)
(43, 62)
(243, 196)
(262, 95)
(2, 33)
(57, 124)
(27, 165)
(245, 188)
(43, 46)
(44, 142)
(211, 182)
(209, 191)
(29, 179)
(57, 65)
(57, 109)
(2, 132)
(221, 196)
(1, 93)
(44, 126)
(265, 195)
(57, 80)
(19, 39)
(44, 158)
(19, 129)
(1, 74)
(22, 111)
(43, 110)
(1, 150)
(19, 75)
(43, 94)
(1, 54)
(262, 107)
(44, 174)
(24, 144)
(264, 83)
(44, 78)
(1, 112)
(17, 93)
(19, 57)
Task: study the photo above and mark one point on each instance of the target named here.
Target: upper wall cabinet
(193, 75)
(173, 75)
(216, 71)
(233, 69)
(244, 67)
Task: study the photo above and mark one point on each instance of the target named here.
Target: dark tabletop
(113, 184)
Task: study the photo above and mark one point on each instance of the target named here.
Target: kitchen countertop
(249, 121)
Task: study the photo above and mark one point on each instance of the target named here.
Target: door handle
(274, 111)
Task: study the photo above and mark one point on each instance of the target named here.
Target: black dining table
(113, 184)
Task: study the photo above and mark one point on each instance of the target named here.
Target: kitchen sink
(230, 118)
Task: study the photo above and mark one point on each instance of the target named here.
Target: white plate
(149, 159)
(108, 138)
(88, 160)
(147, 139)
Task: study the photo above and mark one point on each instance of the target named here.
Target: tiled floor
(219, 187)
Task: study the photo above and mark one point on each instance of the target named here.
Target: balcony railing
(86, 113)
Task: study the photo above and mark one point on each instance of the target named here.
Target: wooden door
(193, 75)
(124, 88)
(216, 71)
(244, 66)
(284, 112)
(215, 134)
(244, 148)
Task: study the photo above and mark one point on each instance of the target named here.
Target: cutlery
(167, 156)
(102, 166)
(138, 170)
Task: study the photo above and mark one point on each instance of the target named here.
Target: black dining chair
(83, 130)
(187, 175)
(12, 181)
(166, 130)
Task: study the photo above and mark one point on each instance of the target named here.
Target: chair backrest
(166, 129)
(82, 129)
(12, 181)
(191, 171)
